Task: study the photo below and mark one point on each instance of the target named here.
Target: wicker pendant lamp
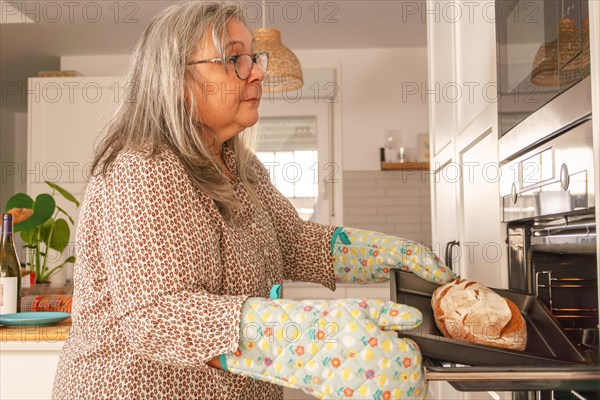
(284, 72)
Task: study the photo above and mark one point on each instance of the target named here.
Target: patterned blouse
(160, 280)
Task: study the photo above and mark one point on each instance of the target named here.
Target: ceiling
(34, 36)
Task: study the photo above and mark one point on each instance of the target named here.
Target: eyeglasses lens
(244, 64)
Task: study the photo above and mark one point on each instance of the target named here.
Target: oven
(547, 192)
(547, 196)
(552, 269)
(543, 50)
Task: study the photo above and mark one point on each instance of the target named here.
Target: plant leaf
(70, 259)
(66, 214)
(30, 237)
(45, 229)
(19, 200)
(64, 192)
(60, 234)
(43, 208)
(27, 237)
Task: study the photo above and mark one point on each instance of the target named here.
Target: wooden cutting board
(51, 334)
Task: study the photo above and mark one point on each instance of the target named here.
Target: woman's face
(224, 103)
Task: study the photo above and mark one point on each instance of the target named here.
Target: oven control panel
(556, 177)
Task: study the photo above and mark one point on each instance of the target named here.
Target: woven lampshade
(284, 72)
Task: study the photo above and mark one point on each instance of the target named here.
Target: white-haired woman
(182, 240)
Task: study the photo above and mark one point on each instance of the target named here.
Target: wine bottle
(10, 271)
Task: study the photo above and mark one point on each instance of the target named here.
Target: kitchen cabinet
(28, 371)
(28, 360)
(464, 141)
(66, 116)
(474, 53)
(65, 119)
(440, 45)
(481, 230)
(463, 131)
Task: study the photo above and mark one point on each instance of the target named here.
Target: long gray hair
(155, 115)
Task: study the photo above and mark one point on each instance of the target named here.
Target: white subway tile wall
(393, 202)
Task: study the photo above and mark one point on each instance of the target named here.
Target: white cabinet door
(482, 247)
(465, 203)
(28, 373)
(441, 80)
(463, 134)
(444, 208)
(66, 116)
(475, 52)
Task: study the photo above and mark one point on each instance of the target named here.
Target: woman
(182, 236)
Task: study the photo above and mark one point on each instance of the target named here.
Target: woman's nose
(257, 74)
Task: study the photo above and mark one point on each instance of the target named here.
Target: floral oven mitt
(362, 256)
(330, 348)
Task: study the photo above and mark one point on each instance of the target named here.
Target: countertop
(41, 338)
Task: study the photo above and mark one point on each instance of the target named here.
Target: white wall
(372, 83)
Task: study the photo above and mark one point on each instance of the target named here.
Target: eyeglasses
(242, 63)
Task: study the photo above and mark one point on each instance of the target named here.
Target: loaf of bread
(466, 310)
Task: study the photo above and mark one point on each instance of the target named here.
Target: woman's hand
(362, 256)
(331, 349)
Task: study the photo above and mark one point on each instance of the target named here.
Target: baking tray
(546, 342)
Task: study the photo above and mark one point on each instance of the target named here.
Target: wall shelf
(393, 166)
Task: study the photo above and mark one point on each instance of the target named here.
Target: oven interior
(567, 284)
(553, 280)
(555, 260)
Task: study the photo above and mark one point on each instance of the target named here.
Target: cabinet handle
(448, 252)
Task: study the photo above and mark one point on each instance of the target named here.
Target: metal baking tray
(546, 343)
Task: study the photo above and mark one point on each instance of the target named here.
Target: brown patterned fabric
(160, 280)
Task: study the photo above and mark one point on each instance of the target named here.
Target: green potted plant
(43, 229)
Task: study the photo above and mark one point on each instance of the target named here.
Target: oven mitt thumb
(330, 348)
(362, 256)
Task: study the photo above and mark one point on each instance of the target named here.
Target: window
(288, 148)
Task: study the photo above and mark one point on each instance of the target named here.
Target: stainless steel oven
(551, 244)
(543, 50)
(547, 196)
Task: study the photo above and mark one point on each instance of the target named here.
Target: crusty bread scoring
(469, 311)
